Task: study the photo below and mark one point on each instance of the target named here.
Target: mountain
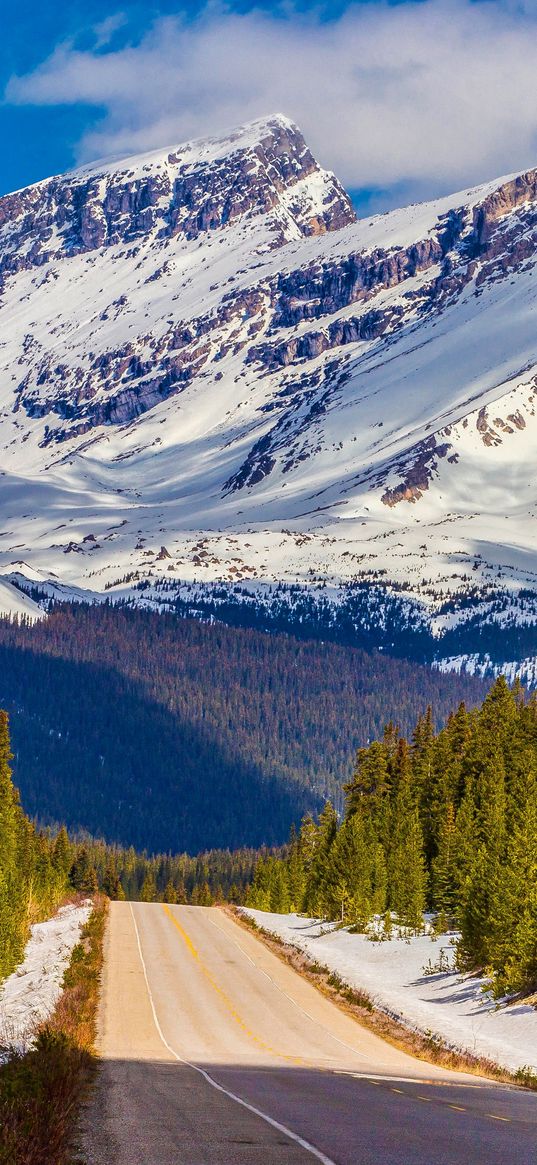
(172, 734)
(217, 386)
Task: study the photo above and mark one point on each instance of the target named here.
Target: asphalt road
(216, 1053)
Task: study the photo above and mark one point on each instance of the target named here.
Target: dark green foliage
(167, 733)
(82, 875)
(216, 875)
(33, 876)
(373, 614)
(448, 822)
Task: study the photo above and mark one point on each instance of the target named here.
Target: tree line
(443, 821)
(123, 873)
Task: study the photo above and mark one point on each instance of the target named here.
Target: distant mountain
(171, 734)
(211, 373)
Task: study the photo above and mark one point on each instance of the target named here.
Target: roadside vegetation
(34, 868)
(41, 1091)
(445, 822)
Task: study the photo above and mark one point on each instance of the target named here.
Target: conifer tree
(149, 888)
(82, 875)
(370, 781)
(316, 893)
(407, 870)
(31, 885)
(62, 853)
(512, 925)
(112, 882)
(444, 865)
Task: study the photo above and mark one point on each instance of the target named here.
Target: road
(215, 1053)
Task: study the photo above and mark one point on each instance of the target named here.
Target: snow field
(452, 1006)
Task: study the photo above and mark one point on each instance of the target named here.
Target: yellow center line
(229, 1005)
(454, 1107)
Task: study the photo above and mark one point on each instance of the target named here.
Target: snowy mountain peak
(209, 370)
(262, 169)
(249, 136)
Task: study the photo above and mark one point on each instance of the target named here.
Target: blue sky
(43, 140)
(403, 101)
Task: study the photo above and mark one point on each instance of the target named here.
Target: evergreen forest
(171, 734)
(209, 877)
(34, 869)
(441, 821)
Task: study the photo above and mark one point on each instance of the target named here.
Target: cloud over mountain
(430, 96)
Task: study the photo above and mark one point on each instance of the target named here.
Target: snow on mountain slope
(15, 602)
(209, 370)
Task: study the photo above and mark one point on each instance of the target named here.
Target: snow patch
(452, 1006)
(28, 996)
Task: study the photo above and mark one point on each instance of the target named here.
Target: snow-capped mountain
(210, 370)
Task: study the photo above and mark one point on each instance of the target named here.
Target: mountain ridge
(212, 371)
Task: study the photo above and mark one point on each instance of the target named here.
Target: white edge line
(219, 1087)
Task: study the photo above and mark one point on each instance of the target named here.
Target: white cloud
(105, 29)
(434, 95)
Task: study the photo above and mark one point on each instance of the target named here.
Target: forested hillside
(446, 821)
(34, 869)
(171, 734)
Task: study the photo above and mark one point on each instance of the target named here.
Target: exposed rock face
(208, 198)
(173, 195)
(418, 468)
(519, 191)
(203, 193)
(264, 173)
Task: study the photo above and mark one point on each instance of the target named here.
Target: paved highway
(215, 1053)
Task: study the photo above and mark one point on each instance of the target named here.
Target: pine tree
(148, 892)
(407, 869)
(111, 882)
(170, 893)
(62, 853)
(316, 895)
(12, 898)
(370, 780)
(82, 875)
(512, 925)
(296, 876)
(31, 884)
(422, 755)
(444, 882)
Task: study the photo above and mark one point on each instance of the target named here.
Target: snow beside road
(29, 995)
(448, 1004)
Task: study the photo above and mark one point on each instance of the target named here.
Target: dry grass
(361, 1007)
(40, 1092)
